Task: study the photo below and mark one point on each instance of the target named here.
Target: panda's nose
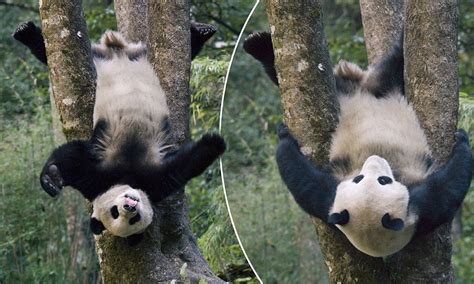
(129, 208)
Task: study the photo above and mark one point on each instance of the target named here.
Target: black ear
(339, 218)
(260, 46)
(200, 33)
(31, 36)
(133, 240)
(392, 224)
(96, 226)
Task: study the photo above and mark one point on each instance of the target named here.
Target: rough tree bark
(168, 245)
(383, 22)
(308, 95)
(72, 92)
(431, 77)
(132, 19)
(71, 71)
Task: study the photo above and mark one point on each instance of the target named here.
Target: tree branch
(71, 70)
(431, 79)
(383, 22)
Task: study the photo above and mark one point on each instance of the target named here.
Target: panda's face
(123, 210)
(371, 209)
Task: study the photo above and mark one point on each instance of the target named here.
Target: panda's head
(121, 210)
(371, 209)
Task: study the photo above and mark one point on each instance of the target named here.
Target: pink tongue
(131, 202)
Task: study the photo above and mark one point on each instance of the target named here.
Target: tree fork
(307, 90)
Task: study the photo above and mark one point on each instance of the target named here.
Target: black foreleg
(73, 164)
(179, 167)
(439, 197)
(313, 189)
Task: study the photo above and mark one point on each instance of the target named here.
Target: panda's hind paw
(24, 31)
(51, 180)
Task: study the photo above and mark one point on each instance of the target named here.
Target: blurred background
(45, 240)
(278, 237)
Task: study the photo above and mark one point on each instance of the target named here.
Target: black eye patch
(383, 180)
(114, 212)
(135, 219)
(358, 178)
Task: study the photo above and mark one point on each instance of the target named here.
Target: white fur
(367, 202)
(130, 98)
(120, 226)
(387, 127)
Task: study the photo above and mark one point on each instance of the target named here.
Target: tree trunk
(308, 95)
(169, 250)
(431, 78)
(71, 71)
(72, 96)
(132, 19)
(383, 22)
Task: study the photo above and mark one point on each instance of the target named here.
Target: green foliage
(463, 257)
(466, 42)
(207, 208)
(34, 247)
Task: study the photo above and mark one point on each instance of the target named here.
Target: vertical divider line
(220, 130)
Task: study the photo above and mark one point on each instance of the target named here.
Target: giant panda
(381, 187)
(128, 163)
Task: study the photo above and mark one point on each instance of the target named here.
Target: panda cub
(380, 187)
(128, 163)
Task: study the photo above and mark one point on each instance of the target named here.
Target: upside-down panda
(381, 187)
(128, 163)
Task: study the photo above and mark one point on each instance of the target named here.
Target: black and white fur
(128, 162)
(380, 188)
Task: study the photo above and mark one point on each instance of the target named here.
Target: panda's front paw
(51, 180)
(461, 136)
(214, 142)
(283, 130)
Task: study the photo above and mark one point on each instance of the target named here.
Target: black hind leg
(200, 33)
(387, 75)
(260, 46)
(31, 36)
(73, 164)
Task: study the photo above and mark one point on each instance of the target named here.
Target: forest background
(35, 245)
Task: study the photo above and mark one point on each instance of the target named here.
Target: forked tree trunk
(383, 22)
(308, 95)
(132, 20)
(431, 76)
(431, 84)
(169, 250)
